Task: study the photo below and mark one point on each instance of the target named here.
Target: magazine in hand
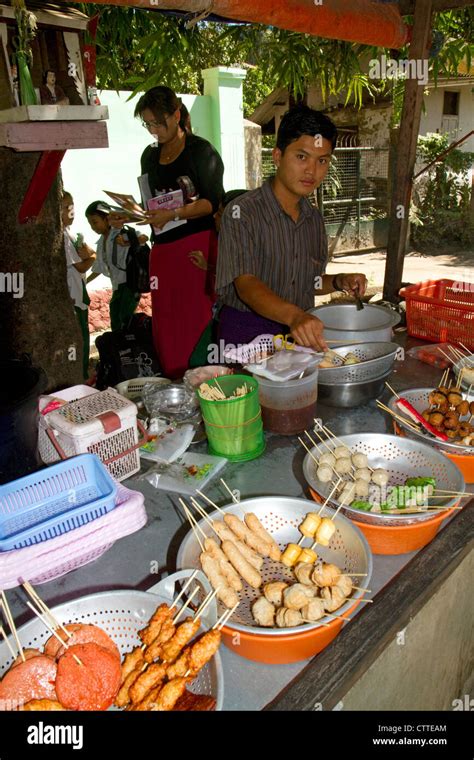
(128, 204)
(172, 200)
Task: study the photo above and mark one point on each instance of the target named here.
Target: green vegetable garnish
(420, 482)
(364, 505)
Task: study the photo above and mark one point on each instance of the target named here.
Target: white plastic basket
(98, 422)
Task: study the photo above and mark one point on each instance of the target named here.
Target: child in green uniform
(111, 260)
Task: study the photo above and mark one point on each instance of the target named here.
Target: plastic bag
(168, 444)
(190, 473)
(432, 354)
(285, 365)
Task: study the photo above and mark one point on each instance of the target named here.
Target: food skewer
(399, 417)
(234, 498)
(192, 524)
(326, 464)
(465, 348)
(205, 604)
(186, 605)
(44, 607)
(225, 617)
(7, 642)
(11, 624)
(183, 590)
(51, 630)
(334, 437)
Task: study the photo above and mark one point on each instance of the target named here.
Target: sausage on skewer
(244, 568)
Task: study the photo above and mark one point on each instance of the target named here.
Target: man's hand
(355, 284)
(307, 330)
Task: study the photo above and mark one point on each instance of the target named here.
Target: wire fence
(355, 188)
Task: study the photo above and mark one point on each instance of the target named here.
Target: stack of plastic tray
(59, 518)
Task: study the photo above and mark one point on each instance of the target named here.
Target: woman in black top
(183, 257)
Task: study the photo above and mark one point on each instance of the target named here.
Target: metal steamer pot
(344, 322)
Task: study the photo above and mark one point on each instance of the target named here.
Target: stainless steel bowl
(347, 395)
(418, 398)
(402, 458)
(344, 322)
(374, 360)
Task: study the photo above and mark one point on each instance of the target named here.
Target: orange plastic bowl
(464, 462)
(281, 650)
(398, 539)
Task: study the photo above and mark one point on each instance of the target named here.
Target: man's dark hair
(98, 207)
(232, 195)
(163, 101)
(302, 120)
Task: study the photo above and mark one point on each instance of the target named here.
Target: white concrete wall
(432, 116)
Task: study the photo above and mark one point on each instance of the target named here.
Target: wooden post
(406, 154)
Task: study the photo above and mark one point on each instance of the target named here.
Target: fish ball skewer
(327, 458)
(343, 466)
(360, 461)
(288, 618)
(263, 612)
(363, 474)
(342, 452)
(274, 591)
(380, 477)
(324, 473)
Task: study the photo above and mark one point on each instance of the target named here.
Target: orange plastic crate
(441, 311)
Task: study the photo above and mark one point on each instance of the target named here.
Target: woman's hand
(159, 217)
(117, 219)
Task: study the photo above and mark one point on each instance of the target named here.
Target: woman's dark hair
(45, 75)
(67, 196)
(98, 207)
(185, 120)
(161, 101)
(302, 120)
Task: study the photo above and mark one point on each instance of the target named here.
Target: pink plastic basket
(49, 560)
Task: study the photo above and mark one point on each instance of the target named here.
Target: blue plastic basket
(54, 501)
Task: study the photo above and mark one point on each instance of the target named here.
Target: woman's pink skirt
(182, 277)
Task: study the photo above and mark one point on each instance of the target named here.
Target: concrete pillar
(224, 86)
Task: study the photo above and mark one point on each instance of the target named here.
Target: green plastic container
(234, 427)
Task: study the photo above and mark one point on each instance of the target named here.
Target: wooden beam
(53, 136)
(406, 153)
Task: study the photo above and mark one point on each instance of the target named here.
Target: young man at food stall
(272, 244)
